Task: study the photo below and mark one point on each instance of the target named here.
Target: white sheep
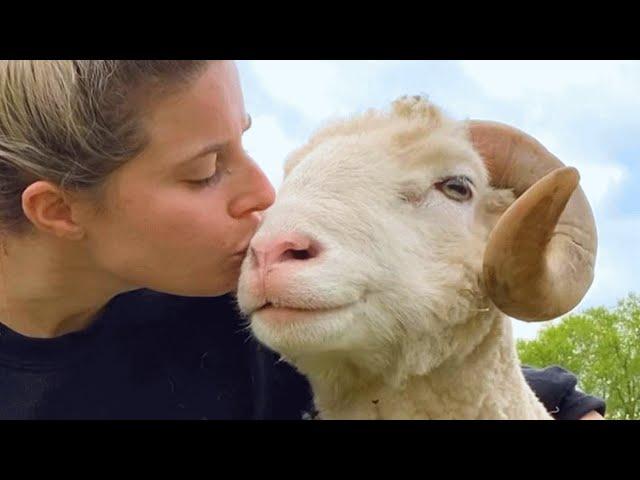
(395, 248)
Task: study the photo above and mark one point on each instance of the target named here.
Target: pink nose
(288, 247)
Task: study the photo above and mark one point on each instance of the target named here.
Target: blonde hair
(73, 122)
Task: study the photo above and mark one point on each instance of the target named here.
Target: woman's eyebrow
(207, 150)
(214, 147)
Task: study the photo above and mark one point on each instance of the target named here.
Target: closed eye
(206, 181)
(212, 178)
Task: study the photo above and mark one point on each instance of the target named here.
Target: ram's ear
(493, 204)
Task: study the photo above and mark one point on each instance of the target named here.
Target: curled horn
(539, 259)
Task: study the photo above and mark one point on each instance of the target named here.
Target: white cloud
(309, 86)
(320, 89)
(526, 331)
(599, 179)
(617, 272)
(508, 79)
(268, 144)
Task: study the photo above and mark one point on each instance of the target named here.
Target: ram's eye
(456, 188)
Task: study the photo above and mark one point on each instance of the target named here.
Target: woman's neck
(49, 288)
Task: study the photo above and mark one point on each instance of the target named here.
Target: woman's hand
(592, 415)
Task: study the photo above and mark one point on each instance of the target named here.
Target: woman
(120, 180)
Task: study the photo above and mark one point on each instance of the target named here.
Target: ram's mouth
(277, 313)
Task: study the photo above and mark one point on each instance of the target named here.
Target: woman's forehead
(208, 112)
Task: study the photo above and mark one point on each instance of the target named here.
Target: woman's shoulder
(147, 315)
(213, 325)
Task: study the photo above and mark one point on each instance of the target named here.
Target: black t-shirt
(157, 356)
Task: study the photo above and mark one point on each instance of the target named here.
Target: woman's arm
(556, 389)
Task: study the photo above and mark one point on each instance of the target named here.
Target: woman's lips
(241, 253)
(237, 258)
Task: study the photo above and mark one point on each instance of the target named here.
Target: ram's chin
(294, 331)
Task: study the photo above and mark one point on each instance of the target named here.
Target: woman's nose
(255, 192)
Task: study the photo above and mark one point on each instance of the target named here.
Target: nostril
(283, 249)
(301, 254)
(292, 254)
(300, 251)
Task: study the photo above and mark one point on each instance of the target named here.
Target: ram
(400, 244)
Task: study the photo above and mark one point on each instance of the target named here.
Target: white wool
(418, 337)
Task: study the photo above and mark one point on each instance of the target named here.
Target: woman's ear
(49, 209)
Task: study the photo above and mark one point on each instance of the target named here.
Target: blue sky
(585, 112)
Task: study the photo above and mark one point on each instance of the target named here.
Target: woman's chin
(194, 288)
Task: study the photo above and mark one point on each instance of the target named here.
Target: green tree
(602, 347)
